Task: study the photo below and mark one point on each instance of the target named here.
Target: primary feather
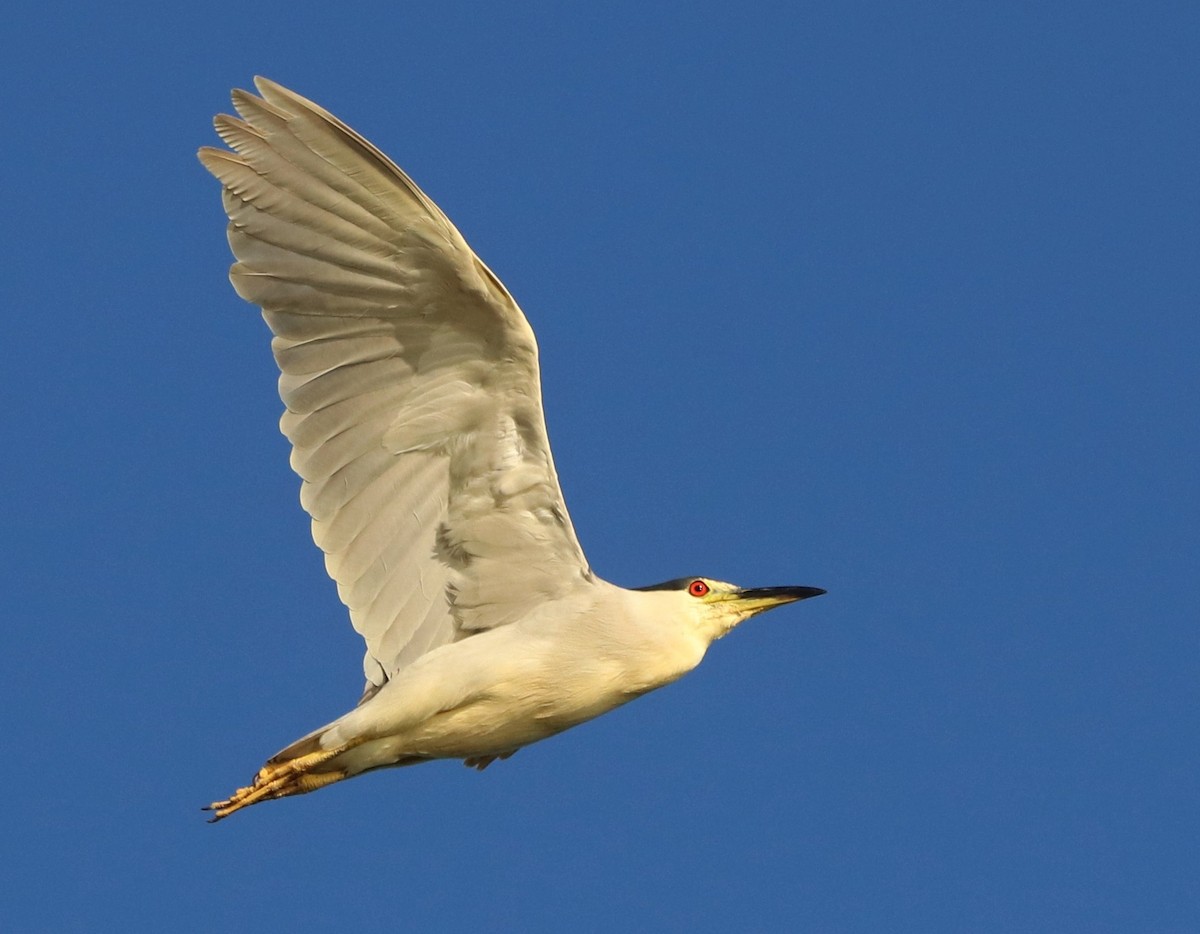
(410, 380)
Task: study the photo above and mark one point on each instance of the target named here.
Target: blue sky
(899, 300)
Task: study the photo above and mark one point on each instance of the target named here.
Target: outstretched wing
(410, 379)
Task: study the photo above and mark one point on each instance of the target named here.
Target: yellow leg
(279, 780)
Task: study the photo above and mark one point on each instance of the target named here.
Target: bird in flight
(413, 405)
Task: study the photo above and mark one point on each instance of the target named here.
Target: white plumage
(413, 405)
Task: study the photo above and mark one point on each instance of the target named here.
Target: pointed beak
(760, 599)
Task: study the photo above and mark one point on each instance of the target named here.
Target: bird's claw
(479, 763)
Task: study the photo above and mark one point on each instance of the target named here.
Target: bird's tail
(300, 768)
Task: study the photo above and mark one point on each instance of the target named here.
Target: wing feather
(410, 383)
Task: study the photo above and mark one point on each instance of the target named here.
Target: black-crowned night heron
(410, 379)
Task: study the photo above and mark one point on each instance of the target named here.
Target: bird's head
(718, 606)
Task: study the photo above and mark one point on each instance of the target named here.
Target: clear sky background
(898, 300)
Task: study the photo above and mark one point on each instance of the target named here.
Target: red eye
(697, 588)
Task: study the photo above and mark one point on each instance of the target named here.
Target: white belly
(506, 688)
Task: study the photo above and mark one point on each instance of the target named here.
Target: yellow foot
(278, 780)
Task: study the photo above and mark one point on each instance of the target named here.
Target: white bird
(413, 405)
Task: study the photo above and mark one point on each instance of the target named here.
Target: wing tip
(276, 95)
(211, 157)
